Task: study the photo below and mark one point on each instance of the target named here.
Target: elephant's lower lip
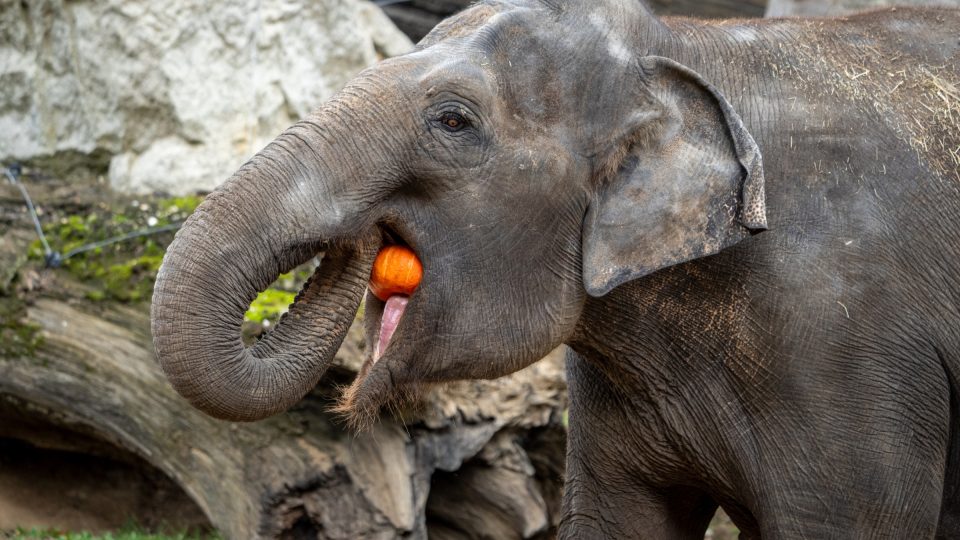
(392, 312)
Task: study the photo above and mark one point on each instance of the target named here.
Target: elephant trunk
(292, 200)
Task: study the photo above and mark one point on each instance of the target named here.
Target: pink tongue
(392, 312)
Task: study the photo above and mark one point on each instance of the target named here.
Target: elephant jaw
(375, 386)
(392, 312)
(381, 379)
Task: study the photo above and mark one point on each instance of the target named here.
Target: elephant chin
(375, 386)
(371, 392)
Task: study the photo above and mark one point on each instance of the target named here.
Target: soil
(79, 492)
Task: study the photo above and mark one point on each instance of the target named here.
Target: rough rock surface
(175, 95)
(826, 8)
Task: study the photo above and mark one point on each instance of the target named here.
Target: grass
(127, 533)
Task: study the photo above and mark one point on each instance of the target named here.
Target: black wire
(13, 174)
(54, 259)
(123, 237)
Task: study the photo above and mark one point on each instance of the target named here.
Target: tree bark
(480, 459)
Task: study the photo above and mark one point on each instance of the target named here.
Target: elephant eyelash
(452, 121)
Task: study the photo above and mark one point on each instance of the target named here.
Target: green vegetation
(272, 303)
(17, 338)
(128, 533)
(269, 306)
(125, 271)
(122, 271)
(183, 206)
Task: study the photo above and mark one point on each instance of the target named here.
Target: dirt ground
(73, 491)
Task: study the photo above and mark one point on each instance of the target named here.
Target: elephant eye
(452, 121)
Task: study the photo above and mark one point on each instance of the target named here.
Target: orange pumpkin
(397, 270)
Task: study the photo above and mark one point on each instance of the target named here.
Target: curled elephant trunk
(291, 201)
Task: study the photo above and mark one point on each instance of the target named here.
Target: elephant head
(530, 153)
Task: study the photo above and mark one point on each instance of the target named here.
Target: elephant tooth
(392, 311)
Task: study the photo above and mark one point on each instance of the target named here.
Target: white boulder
(177, 94)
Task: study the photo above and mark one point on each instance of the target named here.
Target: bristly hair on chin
(359, 416)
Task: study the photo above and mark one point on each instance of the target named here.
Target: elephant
(744, 230)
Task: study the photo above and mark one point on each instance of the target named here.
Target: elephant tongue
(392, 312)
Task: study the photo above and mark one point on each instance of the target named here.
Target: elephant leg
(607, 493)
(890, 485)
(949, 526)
(601, 506)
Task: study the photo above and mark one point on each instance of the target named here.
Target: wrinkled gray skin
(602, 189)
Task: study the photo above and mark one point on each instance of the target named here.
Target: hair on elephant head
(529, 152)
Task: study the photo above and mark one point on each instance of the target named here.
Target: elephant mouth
(384, 316)
(387, 312)
(387, 373)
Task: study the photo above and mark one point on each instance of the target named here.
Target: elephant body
(807, 378)
(746, 232)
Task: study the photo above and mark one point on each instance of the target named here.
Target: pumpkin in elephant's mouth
(396, 270)
(396, 274)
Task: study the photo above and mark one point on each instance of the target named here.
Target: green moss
(124, 271)
(131, 280)
(35, 250)
(125, 534)
(272, 303)
(18, 338)
(183, 206)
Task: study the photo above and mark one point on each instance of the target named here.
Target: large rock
(175, 94)
(828, 8)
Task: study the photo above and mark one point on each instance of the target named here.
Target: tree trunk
(475, 459)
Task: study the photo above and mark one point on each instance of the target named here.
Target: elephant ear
(686, 181)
